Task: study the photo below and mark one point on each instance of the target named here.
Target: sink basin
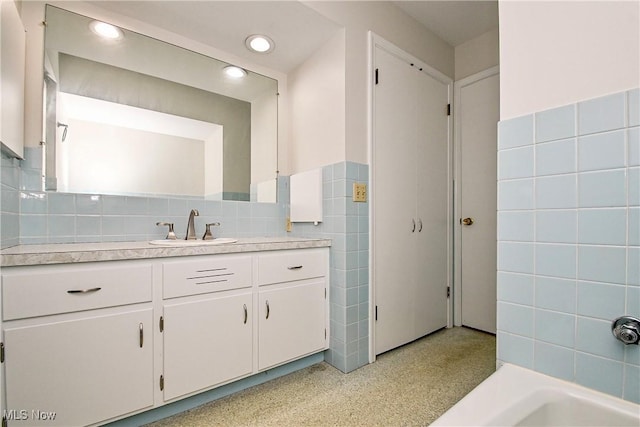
(218, 241)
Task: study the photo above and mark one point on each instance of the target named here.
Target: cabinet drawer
(209, 274)
(286, 266)
(40, 291)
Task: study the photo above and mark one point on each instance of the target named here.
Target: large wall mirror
(137, 116)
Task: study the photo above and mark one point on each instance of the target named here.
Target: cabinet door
(207, 341)
(79, 372)
(292, 322)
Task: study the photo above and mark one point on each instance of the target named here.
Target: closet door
(433, 203)
(395, 176)
(410, 167)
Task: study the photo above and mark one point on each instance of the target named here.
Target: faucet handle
(207, 232)
(171, 235)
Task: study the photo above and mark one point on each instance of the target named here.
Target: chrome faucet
(191, 229)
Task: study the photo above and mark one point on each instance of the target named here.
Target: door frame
(457, 196)
(375, 41)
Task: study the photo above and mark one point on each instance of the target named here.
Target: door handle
(466, 221)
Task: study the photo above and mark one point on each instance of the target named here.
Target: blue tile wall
(9, 201)
(33, 216)
(48, 217)
(568, 241)
(347, 224)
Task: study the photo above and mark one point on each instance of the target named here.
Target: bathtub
(515, 396)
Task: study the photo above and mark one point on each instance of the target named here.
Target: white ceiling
(454, 21)
(297, 30)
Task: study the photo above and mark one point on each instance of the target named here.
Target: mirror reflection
(132, 115)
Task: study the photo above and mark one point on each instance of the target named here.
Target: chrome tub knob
(626, 329)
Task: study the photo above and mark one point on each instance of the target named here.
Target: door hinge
(448, 109)
(376, 77)
(161, 323)
(376, 314)
(161, 382)
(448, 291)
(1, 352)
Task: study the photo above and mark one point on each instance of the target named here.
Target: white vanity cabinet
(292, 305)
(77, 342)
(88, 343)
(207, 334)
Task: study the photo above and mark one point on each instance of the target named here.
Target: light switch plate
(359, 192)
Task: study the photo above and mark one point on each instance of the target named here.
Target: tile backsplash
(48, 217)
(9, 201)
(32, 216)
(568, 241)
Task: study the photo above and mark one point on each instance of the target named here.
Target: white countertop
(66, 253)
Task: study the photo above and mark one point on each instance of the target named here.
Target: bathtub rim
(520, 392)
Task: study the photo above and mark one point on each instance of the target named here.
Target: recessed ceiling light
(106, 31)
(234, 72)
(259, 43)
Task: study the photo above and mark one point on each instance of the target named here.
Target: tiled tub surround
(31, 216)
(569, 241)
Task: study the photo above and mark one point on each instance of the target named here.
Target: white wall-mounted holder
(306, 196)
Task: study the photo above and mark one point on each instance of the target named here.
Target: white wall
(213, 165)
(109, 159)
(317, 108)
(264, 130)
(477, 55)
(557, 53)
(391, 23)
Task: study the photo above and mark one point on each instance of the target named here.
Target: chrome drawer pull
(295, 267)
(246, 313)
(141, 335)
(83, 291)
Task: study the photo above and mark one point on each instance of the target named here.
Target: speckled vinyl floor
(409, 386)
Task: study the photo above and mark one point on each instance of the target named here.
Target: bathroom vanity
(96, 332)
